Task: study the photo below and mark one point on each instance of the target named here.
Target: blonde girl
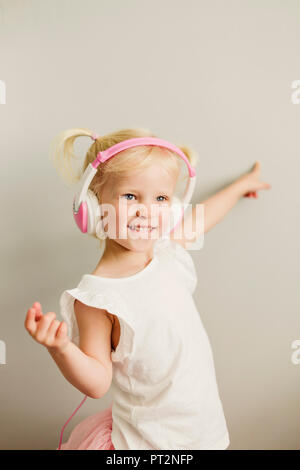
(131, 325)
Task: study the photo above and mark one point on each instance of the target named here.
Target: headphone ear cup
(175, 215)
(92, 210)
(95, 223)
(177, 211)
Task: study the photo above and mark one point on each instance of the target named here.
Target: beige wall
(214, 74)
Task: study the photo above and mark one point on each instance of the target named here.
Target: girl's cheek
(122, 217)
(164, 220)
(111, 222)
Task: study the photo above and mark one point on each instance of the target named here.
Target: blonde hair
(62, 155)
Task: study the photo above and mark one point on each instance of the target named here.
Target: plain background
(212, 74)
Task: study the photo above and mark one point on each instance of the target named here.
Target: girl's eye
(129, 194)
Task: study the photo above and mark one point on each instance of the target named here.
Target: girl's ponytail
(190, 153)
(62, 154)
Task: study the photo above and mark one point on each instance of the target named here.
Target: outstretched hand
(45, 329)
(250, 182)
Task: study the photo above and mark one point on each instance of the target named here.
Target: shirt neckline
(137, 275)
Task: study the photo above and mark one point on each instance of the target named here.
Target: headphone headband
(129, 143)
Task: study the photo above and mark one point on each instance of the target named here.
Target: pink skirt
(93, 433)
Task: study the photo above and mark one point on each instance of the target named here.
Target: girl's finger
(30, 323)
(52, 330)
(29, 320)
(45, 322)
(38, 310)
(256, 166)
(62, 329)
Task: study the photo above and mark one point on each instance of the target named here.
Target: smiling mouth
(141, 228)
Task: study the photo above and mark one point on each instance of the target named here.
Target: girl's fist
(46, 329)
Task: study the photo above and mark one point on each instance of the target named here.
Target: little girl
(133, 324)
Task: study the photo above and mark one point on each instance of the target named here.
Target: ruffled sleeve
(109, 300)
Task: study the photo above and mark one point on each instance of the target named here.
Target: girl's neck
(117, 260)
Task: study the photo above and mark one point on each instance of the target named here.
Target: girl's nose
(148, 211)
(139, 213)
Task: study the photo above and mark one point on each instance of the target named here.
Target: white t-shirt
(164, 389)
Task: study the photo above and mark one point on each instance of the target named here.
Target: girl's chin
(142, 237)
(139, 235)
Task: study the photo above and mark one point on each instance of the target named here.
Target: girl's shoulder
(181, 259)
(107, 298)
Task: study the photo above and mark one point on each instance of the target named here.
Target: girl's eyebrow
(127, 189)
(123, 187)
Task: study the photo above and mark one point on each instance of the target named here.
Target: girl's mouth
(138, 228)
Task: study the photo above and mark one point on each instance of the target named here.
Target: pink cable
(62, 430)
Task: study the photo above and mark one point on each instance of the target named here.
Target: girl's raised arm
(217, 206)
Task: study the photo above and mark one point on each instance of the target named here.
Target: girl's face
(139, 198)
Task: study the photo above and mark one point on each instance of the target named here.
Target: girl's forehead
(154, 176)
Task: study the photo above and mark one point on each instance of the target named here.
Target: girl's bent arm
(86, 373)
(89, 366)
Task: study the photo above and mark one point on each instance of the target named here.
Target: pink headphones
(85, 202)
